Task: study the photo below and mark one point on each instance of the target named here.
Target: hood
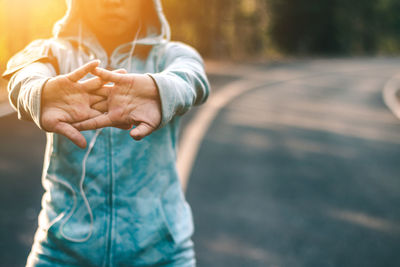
(155, 28)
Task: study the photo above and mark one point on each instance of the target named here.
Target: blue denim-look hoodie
(118, 202)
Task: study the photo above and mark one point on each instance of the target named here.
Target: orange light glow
(22, 21)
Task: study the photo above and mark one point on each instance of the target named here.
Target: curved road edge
(390, 97)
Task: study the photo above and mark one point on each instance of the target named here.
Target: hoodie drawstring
(133, 46)
(82, 192)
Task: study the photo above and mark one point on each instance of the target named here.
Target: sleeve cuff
(167, 91)
(35, 98)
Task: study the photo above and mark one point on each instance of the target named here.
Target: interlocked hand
(67, 100)
(132, 99)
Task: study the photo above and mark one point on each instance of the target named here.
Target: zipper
(110, 203)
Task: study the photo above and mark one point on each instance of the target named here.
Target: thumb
(141, 131)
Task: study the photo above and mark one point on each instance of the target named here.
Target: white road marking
(197, 128)
(389, 94)
(365, 220)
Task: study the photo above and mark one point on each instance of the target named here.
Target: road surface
(299, 167)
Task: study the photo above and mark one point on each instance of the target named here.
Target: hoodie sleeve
(25, 90)
(27, 73)
(182, 81)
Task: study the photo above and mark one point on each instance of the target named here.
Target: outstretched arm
(55, 102)
(133, 99)
(182, 81)
(150, 101)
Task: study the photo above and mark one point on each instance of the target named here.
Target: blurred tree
(357, 25)
(388, 21)
(335, 26)
(239, 28)
(220, 28)
(301, 26)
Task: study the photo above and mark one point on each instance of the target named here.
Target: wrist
(45, 98)
(152, 88)
(47, 91)
(41, 104)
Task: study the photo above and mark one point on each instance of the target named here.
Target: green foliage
(335, 26)
(220, 28)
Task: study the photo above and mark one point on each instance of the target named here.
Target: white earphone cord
(82, 192)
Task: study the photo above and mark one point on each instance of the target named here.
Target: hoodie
(119, 202)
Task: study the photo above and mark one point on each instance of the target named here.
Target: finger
(124, 126)
(96, 82)
(98, 122)
(104, 91)
(107, 75)
(141, 131)
(81, 72)
(94, 99)
(91, 84)
(101, 106)
(93, 113)
(71, 133)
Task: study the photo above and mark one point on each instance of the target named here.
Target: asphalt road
(302, 170)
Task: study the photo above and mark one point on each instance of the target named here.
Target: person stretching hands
(110, 200)
(132, 99)
(70, 105)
